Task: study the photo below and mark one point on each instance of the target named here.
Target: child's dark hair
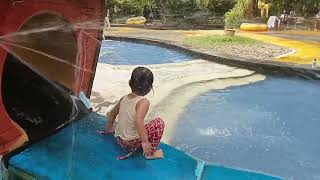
(141, 81)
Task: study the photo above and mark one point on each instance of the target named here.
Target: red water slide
(57, 38)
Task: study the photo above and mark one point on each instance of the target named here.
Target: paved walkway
(305, 44)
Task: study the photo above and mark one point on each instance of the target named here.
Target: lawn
(218, 40)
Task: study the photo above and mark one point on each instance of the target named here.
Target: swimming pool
(270, 126)
(128, 53)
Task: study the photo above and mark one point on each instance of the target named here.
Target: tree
(302, 7)
(235, 15)
(220, 6)
(128, 7)
(215, 6)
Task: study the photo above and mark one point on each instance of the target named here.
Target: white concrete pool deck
(175, 85)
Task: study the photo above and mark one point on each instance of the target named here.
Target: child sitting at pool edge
(131, 130)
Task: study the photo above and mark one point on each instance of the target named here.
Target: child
(317, 22)
(131, 129)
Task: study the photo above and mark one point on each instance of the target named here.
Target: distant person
(152, 14)
(283, 18)
(273, 23)
(314, 64)
(146, 11)
(317, 22)
(292, 14)
(107, 19)
(132, 131)
(106, 23)
(292, 18)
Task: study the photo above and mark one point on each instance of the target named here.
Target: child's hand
(109, 130)
(146, 149)
(105, 132)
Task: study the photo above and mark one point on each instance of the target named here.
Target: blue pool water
(127, 53)
(78, 152)
(270, 126)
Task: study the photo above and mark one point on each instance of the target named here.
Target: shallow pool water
(128, 53)
(78, 152)
(270, 126)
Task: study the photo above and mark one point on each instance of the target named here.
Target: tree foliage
(128, 7)
(135, 7)
(302, 7)
(220, 6)
(235, 15)
(182, 7)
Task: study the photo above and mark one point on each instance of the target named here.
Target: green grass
(218, 40)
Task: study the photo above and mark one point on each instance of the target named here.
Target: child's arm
(112, 115)
(142, 108)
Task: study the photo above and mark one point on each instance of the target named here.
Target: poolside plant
(235, 15)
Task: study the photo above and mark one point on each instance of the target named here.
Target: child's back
(126, 128)
(131, 129)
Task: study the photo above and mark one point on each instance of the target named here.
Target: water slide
(44, 44)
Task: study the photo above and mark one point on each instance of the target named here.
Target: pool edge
(262, 67)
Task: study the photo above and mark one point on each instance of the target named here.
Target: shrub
(235, 15)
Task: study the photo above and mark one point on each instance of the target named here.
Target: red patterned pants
(154, 130)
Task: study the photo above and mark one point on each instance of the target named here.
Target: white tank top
(125, 127)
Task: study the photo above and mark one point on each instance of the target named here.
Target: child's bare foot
(158, 154)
